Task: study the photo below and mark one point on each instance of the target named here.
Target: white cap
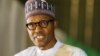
(35, 7)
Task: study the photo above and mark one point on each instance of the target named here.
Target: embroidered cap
(35, 7)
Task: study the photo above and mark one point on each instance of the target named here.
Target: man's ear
(55, 24)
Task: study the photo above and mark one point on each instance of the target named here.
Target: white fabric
(49, 52)
(35, 51)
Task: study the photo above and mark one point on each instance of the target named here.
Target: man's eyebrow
(47, 19)
(31, 22)
(40, 20)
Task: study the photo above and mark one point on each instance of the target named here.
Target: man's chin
(40, 44)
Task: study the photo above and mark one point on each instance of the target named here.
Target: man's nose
(38, 28)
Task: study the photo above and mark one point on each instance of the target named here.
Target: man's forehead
(38, 18)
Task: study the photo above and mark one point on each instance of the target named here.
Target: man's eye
(31, 25)
(43, 23)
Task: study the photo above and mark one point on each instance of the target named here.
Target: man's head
(40, 23)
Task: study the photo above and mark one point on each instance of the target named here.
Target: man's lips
(40, 37)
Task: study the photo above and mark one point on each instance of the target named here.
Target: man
(41, 23)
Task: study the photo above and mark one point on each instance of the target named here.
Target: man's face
(41, 29)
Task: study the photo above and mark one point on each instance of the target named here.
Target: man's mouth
(39, 37)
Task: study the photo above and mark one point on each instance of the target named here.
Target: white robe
(59, 49)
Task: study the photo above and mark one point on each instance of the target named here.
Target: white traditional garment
(59, 49)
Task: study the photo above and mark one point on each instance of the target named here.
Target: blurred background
(78, 25)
